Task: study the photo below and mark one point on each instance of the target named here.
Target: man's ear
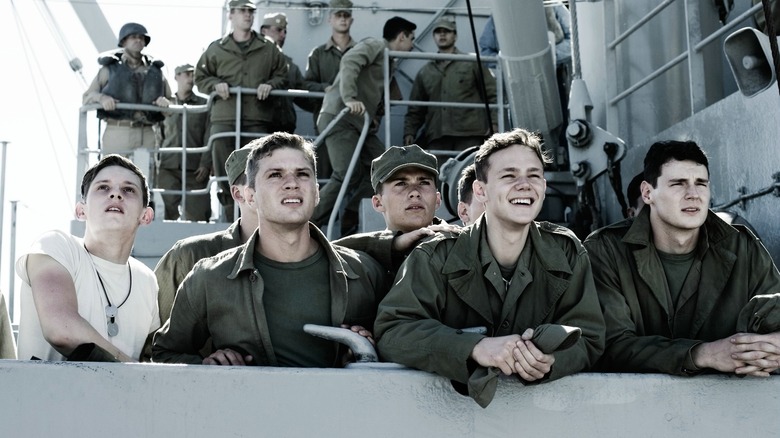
(249, 197)
(376, 201)
(463, 212)
(317, 195)
(647, 192)
(438, 200)
(80, 213)
(478, 188)
(148, 216)
(237, 194)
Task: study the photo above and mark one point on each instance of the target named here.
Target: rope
(27, 46)
(480, 70)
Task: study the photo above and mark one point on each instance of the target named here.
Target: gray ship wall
(132, 400)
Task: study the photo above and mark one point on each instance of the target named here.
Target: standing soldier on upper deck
(323, 65)
(358, 86)
(274, 27)
(454, 129)
(128, 76)
(169, 169)
(240, 59)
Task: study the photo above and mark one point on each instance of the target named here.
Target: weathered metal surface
(80, 399)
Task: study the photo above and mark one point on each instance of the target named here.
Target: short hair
(662, 152)
(634, 189)
(465, 183)
(264, 146)
(497, 142)
(396, 25)
(113, 160)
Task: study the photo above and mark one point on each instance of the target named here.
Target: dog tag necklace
(112, 310)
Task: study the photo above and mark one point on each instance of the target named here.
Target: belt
(128, 123)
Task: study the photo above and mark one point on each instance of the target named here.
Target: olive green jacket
(323, 65)
(223, 61)
(450, 81)
(223, 298)
(444, 286)
(646, 332)
(361, 77)
(179, 260)
(197, 135)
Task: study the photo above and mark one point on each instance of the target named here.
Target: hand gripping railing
(353, 162)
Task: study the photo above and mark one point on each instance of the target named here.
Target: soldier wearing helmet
(129, 76)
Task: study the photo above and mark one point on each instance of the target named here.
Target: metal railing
(695, 45)
(501, 107)
(84, 152)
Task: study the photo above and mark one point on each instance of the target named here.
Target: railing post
(2, 199)
(696, 70)
(612, 86)
(12, 257)
(386, 68)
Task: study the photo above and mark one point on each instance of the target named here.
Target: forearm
(67, 333)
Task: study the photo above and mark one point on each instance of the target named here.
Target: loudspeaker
(750, 58)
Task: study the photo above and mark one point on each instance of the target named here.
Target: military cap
(278, 19)
(241, 4)
(235, 165)
(184, 68)
(396, 158)
(340, 5)
(445, 22)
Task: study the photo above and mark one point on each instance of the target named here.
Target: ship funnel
(750, 58)
(529, 67)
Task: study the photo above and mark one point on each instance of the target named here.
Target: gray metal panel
(95, 23)
(130, 400)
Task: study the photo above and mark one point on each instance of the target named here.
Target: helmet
(450, 174)
(133, 29)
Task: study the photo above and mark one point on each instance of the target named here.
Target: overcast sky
(39, 111)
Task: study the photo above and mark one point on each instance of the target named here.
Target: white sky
(39, 111)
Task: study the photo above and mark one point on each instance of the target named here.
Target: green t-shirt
(676, 268)
(296, 294)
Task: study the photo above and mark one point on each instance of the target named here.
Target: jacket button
(459, 331)
(505, 324)
(252, 278)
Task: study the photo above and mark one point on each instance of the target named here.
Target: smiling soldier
(507, 273)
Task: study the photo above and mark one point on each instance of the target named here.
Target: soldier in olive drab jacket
(254, 300)
(507, 273)
(358, 87)
(678, 286)
(241, 59)
(453, 129)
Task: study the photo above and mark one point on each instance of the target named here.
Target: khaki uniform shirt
(224, 61)
(450, 81)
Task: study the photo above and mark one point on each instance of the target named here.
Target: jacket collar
(471, 250)
(245, 260)
(466, 252)
(330, 44)
(711, 257)
(713, 231)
